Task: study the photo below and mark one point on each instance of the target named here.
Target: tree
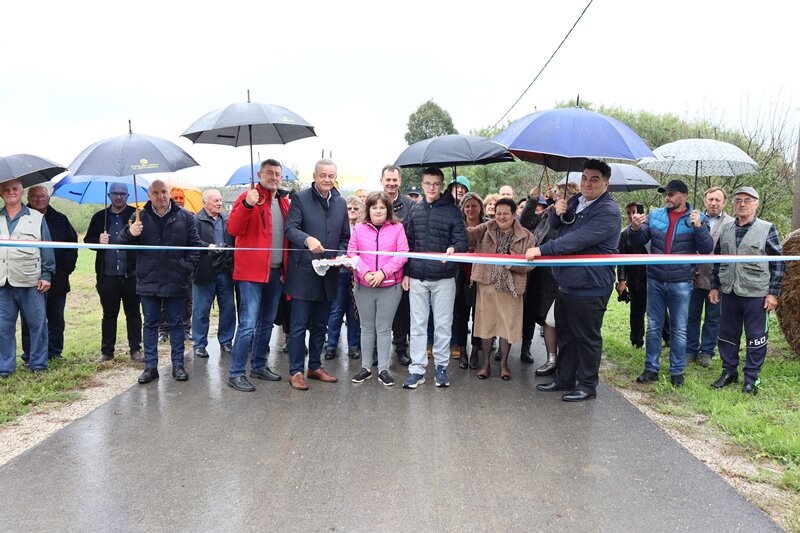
(429, 120)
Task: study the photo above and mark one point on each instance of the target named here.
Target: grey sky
(75, 72)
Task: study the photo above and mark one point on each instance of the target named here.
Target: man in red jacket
(258, 220)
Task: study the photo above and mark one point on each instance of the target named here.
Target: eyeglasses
(118, 194)
(745, 201)
(432, 184)
(353, 208)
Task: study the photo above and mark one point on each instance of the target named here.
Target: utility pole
(796, 203)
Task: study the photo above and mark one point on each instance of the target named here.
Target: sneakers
(413, 381)
(354, 353)
(705, 360)
(363, 375)
(691, 358)
(647, 376)
(162, 338)
(201, 352)
(226, 349)
(330, 353)
(386, 378)
(441, 377)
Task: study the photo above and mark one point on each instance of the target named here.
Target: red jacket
(252, 228)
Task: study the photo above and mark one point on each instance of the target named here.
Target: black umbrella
(249, 123)
(28, 169)
(129, 155)
(624, 178)
(452, 151)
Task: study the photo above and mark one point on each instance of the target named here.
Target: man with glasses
(433, 225)
(746, 291)
(56, 298)
(116, 274)
(673, 229)
(257, 220)
(391, 180)
(701, 342)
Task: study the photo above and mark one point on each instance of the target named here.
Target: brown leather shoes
(137, 356)
(321, 375)
(297, 381)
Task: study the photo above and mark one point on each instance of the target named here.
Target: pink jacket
(391, 237)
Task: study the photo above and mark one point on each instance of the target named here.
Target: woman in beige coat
(498, 308)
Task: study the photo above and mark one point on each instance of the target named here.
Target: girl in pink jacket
(377, 281)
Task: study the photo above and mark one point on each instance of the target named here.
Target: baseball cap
(746, 190)
(675, 186)
(413, 190)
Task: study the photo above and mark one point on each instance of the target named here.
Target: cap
(746, 190)
(412, 191)
(542, 200)
(463, 181)
(675, 186)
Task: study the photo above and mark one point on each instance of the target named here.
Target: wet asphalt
(480, 455)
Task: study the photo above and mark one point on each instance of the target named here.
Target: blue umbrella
(563, 139)
(243, 173)
(94, 189)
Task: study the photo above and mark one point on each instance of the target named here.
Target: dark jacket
(61, 231)
(633, 275)
(435, 228)
(402, 206)
(595, 231)
(212, 262)
(97, 225)
(310, 215)
(165, 273)
(686, 239)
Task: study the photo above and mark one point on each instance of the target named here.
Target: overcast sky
(75, 72)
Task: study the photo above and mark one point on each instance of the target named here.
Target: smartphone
(640, 209)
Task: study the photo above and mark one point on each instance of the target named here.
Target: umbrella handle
(135, 198)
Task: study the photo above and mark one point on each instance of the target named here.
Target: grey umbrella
(249, 123)
(624, 178)
(28, 169)
(453, 150)
(129, 155)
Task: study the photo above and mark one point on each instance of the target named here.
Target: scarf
(500, 275)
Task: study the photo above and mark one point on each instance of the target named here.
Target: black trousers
(401, 325)
(738, 312)
(112, 291)
(638, 293)
(579, 320)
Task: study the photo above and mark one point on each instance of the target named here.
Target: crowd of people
(257, 264)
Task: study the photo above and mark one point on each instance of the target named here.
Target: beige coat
(482, 240)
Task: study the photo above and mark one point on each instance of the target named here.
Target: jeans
(112, 291)
(377, 307)
(307, 315)
(54, 310)
(173, 309)
(203, 296)
(663, 296)
(428, 297)
(341, 306)
(695, 343)
(28, 302)
(258, 307)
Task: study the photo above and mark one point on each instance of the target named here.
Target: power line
(545, 65)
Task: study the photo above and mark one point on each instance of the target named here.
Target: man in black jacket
(116, 274)
(588, 224)
(163, 275)
(214, 277)
(56, 298)
(433, 225)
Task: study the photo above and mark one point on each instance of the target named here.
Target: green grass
(765, 425)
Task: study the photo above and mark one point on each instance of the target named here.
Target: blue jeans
(173, 310)
(203, 297)
(258, 307)
(341, 306)
(660, 297)
(307, 314)
(695, 344)
(30, 303)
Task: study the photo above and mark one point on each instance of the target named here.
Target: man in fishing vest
(747, 292)
(25, 275)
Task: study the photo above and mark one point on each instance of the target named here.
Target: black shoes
(330, 353)
(240, 383)
(725, 379)
(552, 387)
(363, 375)
(749, 388)
(676, 380)
(104, 357)
(265, 374)
(403, 358)
(525, 355)
(201, 352)
(579, 396)
(179, 373)
(647, 376)
(386, 378)
(148, 375)
(354, 353)
(226, 349)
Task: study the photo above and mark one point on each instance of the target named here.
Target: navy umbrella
(249, 123)
(563, 139)
(28, 169)
(129, 155)
(624, 178)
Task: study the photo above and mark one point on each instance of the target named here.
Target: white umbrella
(700, 157)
